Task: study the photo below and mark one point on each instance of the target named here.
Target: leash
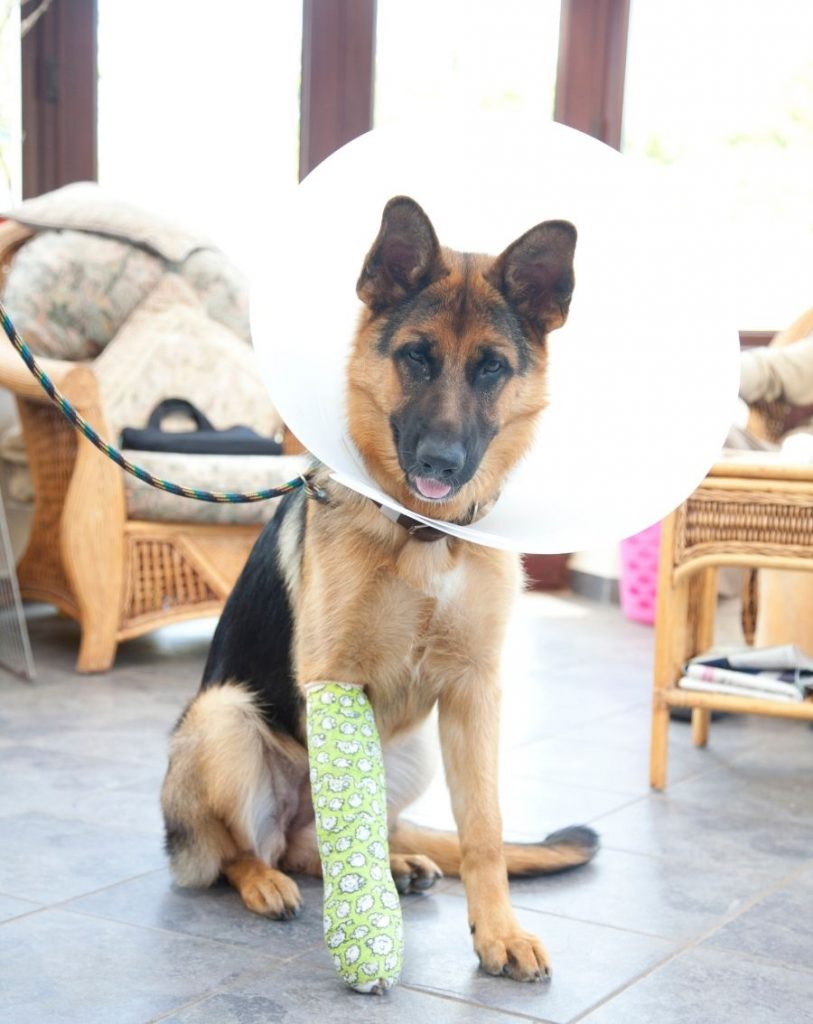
(73, 417)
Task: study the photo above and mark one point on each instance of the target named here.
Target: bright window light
(465, 56)
(199, 109)
(10, 105)
(722, 94)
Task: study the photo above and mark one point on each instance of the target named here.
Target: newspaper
(772, 673)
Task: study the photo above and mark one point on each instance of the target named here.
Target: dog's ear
(403, 259)
(535, 274)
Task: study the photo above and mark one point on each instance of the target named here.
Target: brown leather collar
(414, 527)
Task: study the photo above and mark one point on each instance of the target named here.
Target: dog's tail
(560, 851)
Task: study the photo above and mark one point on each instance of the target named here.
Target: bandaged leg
(362, 913)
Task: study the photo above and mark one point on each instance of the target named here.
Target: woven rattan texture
(161, 578)
(718, 522)
(51, 446)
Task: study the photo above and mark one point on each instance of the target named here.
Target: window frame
(59, 90)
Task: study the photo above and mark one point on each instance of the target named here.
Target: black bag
(205, 440)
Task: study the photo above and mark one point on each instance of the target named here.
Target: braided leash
(70, 414)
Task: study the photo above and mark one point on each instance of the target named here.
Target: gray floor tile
(713, 835)
(68, 969)
(83, 702)
(618, 770)
(12, 907)
(768, 781)
(734, 822)
(132, 808)
(629, 729)
(779, 927)
(50, 859)
(216, 913)
(55, 641)
(138, 741)
(639, 893)
(531, 808)
(47, 780)
(708, 987)
(589, 961)
(300, 994)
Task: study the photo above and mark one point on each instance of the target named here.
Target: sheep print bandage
(362, 913)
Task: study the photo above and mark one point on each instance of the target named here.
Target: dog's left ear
(535, 274)
(404, 258)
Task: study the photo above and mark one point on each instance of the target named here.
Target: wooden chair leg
(671, 625)
(703, 602)
(749, 605)
(98, 646)
(92, 544)
(659, 746)
(701, 719)
(703, 610)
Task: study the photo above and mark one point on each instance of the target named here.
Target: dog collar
(414, 527)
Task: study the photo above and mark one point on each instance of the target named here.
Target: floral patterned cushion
(211, 473)
(69, 292)
(221, 288)
(86, 206)
(92, 221)
(170, 348)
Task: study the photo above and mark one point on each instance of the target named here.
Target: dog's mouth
(430, 489)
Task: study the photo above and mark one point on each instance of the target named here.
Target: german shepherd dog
(445, 382)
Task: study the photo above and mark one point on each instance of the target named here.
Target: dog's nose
(440, 458)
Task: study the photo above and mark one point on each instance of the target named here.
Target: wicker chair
(752, 511)
(118, 577)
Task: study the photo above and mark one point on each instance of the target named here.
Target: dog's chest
(426, 643)
(446, 589)
(404, 623)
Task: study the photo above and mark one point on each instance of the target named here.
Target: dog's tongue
(432, 488)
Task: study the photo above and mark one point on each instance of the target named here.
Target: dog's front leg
(469, 733)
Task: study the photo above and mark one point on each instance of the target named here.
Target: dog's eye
(417, 355)
(490, 367)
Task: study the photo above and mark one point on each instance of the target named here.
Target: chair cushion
(69, 292)
(211, 473)
(221, 288)
(86, 206)
(170, 348)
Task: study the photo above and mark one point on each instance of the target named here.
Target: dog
(446, 380)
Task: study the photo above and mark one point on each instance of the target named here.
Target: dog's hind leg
(230, 791)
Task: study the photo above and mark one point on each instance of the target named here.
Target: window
(10, 106)
(722, 94)
(199, 109)
(465, 55)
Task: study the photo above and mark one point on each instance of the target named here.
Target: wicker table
(752, 510)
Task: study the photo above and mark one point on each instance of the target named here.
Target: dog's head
(448, 368)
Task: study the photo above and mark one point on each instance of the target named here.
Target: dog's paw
(519, 955)
(413, 872)
(270, 893)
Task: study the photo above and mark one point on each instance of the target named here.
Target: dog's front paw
(518, 955)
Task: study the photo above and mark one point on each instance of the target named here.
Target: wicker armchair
(756, 512)
(118, 577)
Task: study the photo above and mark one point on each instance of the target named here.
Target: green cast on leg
(362, 913)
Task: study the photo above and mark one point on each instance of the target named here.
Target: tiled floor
(697, 909)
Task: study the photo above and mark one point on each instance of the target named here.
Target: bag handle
(175, 405)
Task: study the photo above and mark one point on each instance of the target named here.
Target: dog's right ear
(404, 258)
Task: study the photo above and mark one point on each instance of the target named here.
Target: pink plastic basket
(639, 574)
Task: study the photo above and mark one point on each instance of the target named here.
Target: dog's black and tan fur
(446, 380)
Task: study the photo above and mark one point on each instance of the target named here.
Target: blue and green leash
(73, 417)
